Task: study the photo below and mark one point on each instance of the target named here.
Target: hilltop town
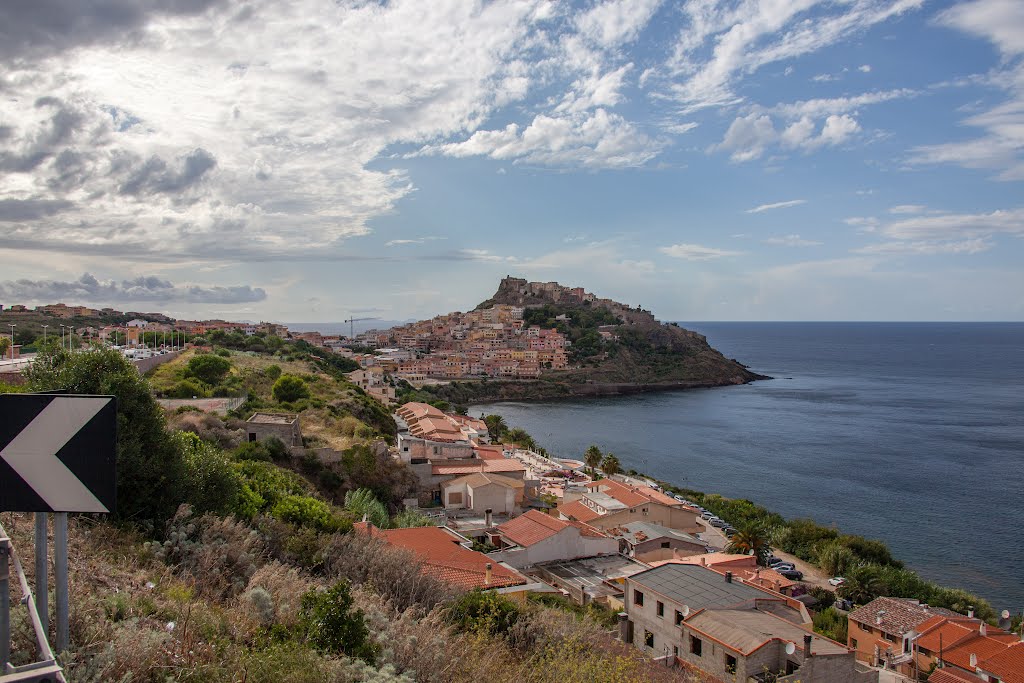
(307, 509)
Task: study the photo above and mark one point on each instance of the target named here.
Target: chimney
(624, 635)
(728, 577)
(487, 574)
(974, 660)
(983, 629)
(487, 517)
(807, 644)
(703, 562)
(970, 612)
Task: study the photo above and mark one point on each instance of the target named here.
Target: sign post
(58, 454)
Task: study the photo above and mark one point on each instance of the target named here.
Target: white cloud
(695, 252)
(908, 209)
(777, 205)
(90, 290)
(679, 128)
(1000, 21)
(614, 22)
(958, 226)
(970, 246)
(594, 140)
(748, 137)
(791, 241)
(743, 37)
(418, 240)
(864, 68)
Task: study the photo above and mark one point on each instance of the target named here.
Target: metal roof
(696, 587)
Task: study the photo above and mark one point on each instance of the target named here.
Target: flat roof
(591, 574)
(697, 587)
(747, 630)
(273, 418)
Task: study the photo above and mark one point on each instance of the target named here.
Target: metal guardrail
(45, 669)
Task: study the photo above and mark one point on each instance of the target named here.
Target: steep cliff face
(616, 345)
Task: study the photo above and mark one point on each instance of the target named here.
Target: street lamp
(12, 326)
(44, 334)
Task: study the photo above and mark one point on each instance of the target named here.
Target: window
(455, 498)
(252, 438)
(679, 617)
(675, 650)
(648, 639)
(665, 544)
(925, 651)
(405, 449)
(695, 645)
(888, 636)
(638, 598)
(730, 664)
(791, 667)
(661, 608)
(853, 643)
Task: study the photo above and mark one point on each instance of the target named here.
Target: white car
(836, 581)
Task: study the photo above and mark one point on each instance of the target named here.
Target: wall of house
(655, 513)
(567, 544)
(653, 550)
(869, 643)
(288, 433)
(498, 498)
(411, 448)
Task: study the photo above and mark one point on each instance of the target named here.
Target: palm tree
(592, 457)
(496, 426)
(863, 584)
(521, 438)
(611, 465)
(750, 540)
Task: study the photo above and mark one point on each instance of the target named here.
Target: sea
(911, 433)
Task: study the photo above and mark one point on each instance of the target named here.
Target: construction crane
(352, 325)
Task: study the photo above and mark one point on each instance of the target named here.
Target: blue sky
(787, 160)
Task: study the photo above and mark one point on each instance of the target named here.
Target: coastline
(465, 392)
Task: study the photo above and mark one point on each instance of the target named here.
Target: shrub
(836, 559)
(271, 482)
(212, 484)
(272, 371)
(831, 624)
(331, 625)
(411, 518)
(187, 388)
(364, 505)
(223, 353)
(150, 469)
(289, 388)
(308, 512)
(208, 368)
(488, 613)
(252, 450)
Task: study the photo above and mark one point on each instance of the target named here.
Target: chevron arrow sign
(57, 453)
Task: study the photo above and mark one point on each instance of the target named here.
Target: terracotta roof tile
(483, 478)
(578, 511)
(953, 676)
(1008, 665)
(444, 557)
(898, 615)
(535, 526)
(504, 465)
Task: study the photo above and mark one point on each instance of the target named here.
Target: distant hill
(615, 348)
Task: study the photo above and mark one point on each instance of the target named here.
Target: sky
(314, 160)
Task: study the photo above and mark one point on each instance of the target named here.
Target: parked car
(706, 515)
(728, 531)
(719, 523)
(772, 560)
(780, 566)
(792, 574)
(836, 581)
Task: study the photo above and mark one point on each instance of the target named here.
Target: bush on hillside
(486, 613)
(151, 474)
(208, 368)
(289, 388)
(186, 388)
(306, 511)
(332, 625)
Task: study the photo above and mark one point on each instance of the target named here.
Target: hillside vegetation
(224, 565)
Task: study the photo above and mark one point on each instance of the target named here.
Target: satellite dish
(686, 610)
(790, 648)
(1006, 614)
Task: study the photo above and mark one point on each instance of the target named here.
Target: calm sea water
(910, 433)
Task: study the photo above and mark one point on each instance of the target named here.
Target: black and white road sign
(57, 453)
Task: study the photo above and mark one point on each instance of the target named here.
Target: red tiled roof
(980, 646)
(953, 676)
(486, 452)
(578, 511)
(444, 557)
(620, 492)
(1008, 665)
(535, 526)
(899, 615)
(503, 465)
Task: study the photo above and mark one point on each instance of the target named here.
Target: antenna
(790, 648)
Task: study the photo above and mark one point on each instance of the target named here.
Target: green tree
(592, 457)
(750, 539)
(836, 559)
(290, 388)
(831, 624)
(363, 504)
(611, 465)
(411, 518)
(863, 584)
(487, 613)
(521, 438)
(5, 345)
(496, 426)
(209, 368)
(272, 371)
(150, 467)
(332, 625)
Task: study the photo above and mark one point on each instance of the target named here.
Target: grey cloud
(41, 28)
(142, 289)
(12, 210)
(155, 176)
